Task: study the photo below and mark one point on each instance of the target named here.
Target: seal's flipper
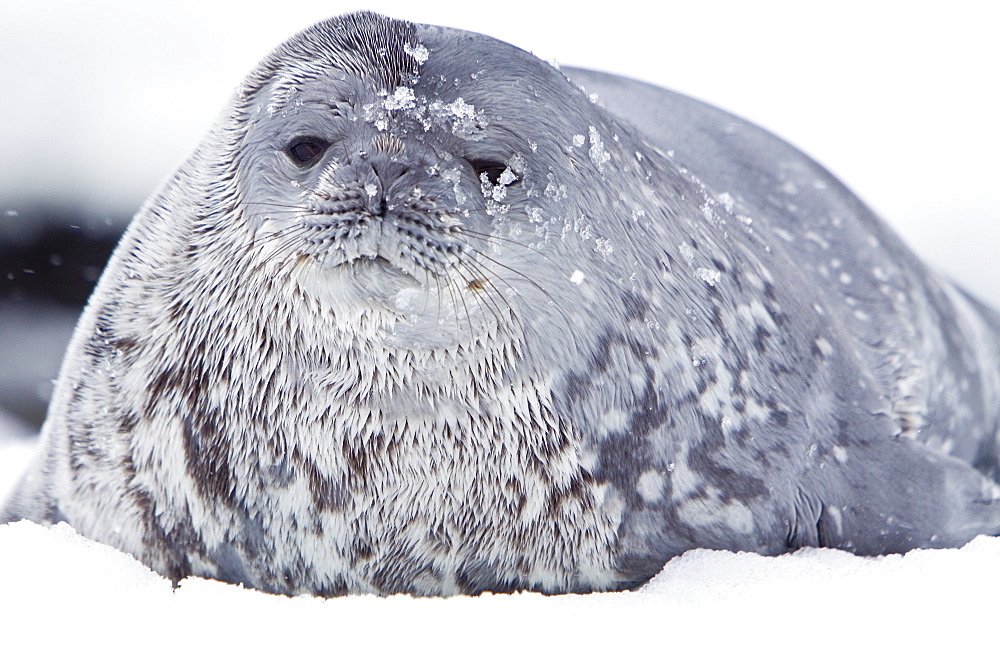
(894, 497)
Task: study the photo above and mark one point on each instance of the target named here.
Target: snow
(104, 98)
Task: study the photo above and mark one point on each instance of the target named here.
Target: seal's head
(408, 178)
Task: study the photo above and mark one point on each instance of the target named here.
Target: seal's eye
(306, 151)
(497, 173)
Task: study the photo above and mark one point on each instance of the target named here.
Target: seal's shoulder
(729, 154)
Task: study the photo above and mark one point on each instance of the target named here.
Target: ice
(454, 176)
(710, 276)
(518, 164)
(466, 121)
(604, 247)
(686, 252)
(495, 194)
(555, 191)
(727, 201)
(598, 155)
(404, 108)
(401, 98)
(418, 51)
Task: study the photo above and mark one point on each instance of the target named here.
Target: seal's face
(399, 188)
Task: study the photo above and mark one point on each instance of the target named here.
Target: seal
(421, 316)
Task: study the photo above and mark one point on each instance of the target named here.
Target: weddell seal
(419, 315)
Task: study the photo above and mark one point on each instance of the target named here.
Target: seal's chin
(376, 273)
(374, 298)
(369, 279)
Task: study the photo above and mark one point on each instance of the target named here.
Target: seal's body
(419, 316)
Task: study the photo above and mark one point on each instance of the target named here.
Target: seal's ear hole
(496, 173)
(306, 151)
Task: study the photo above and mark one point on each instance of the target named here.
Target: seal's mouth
(390, 251)
(375, 275)
(381, 265)
(377, 266)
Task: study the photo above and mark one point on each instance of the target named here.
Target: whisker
(480, 274)
(483, 256)
(492, 307)
(532, 282)
(503, 240)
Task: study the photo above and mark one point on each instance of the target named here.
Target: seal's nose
(379, 170)
(387, 171)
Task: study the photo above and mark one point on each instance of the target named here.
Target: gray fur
(660, 328)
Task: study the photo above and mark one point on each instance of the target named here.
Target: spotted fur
(497, 336)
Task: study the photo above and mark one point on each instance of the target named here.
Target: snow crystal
(518, 164)
(496, 194)
(454, 177)
(598, 155)
(686, 252)
(727, 202)
(604, 247)
(579, 140)
(375, 114)
(401, 98)
(466, 121)
(710, 276)
(459, 117)
(507, 177)
(576, 277)
(418, 51)
(556, 192)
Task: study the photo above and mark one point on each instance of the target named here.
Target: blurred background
(101, 100)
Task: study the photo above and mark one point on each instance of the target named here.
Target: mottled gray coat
(420, 316)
